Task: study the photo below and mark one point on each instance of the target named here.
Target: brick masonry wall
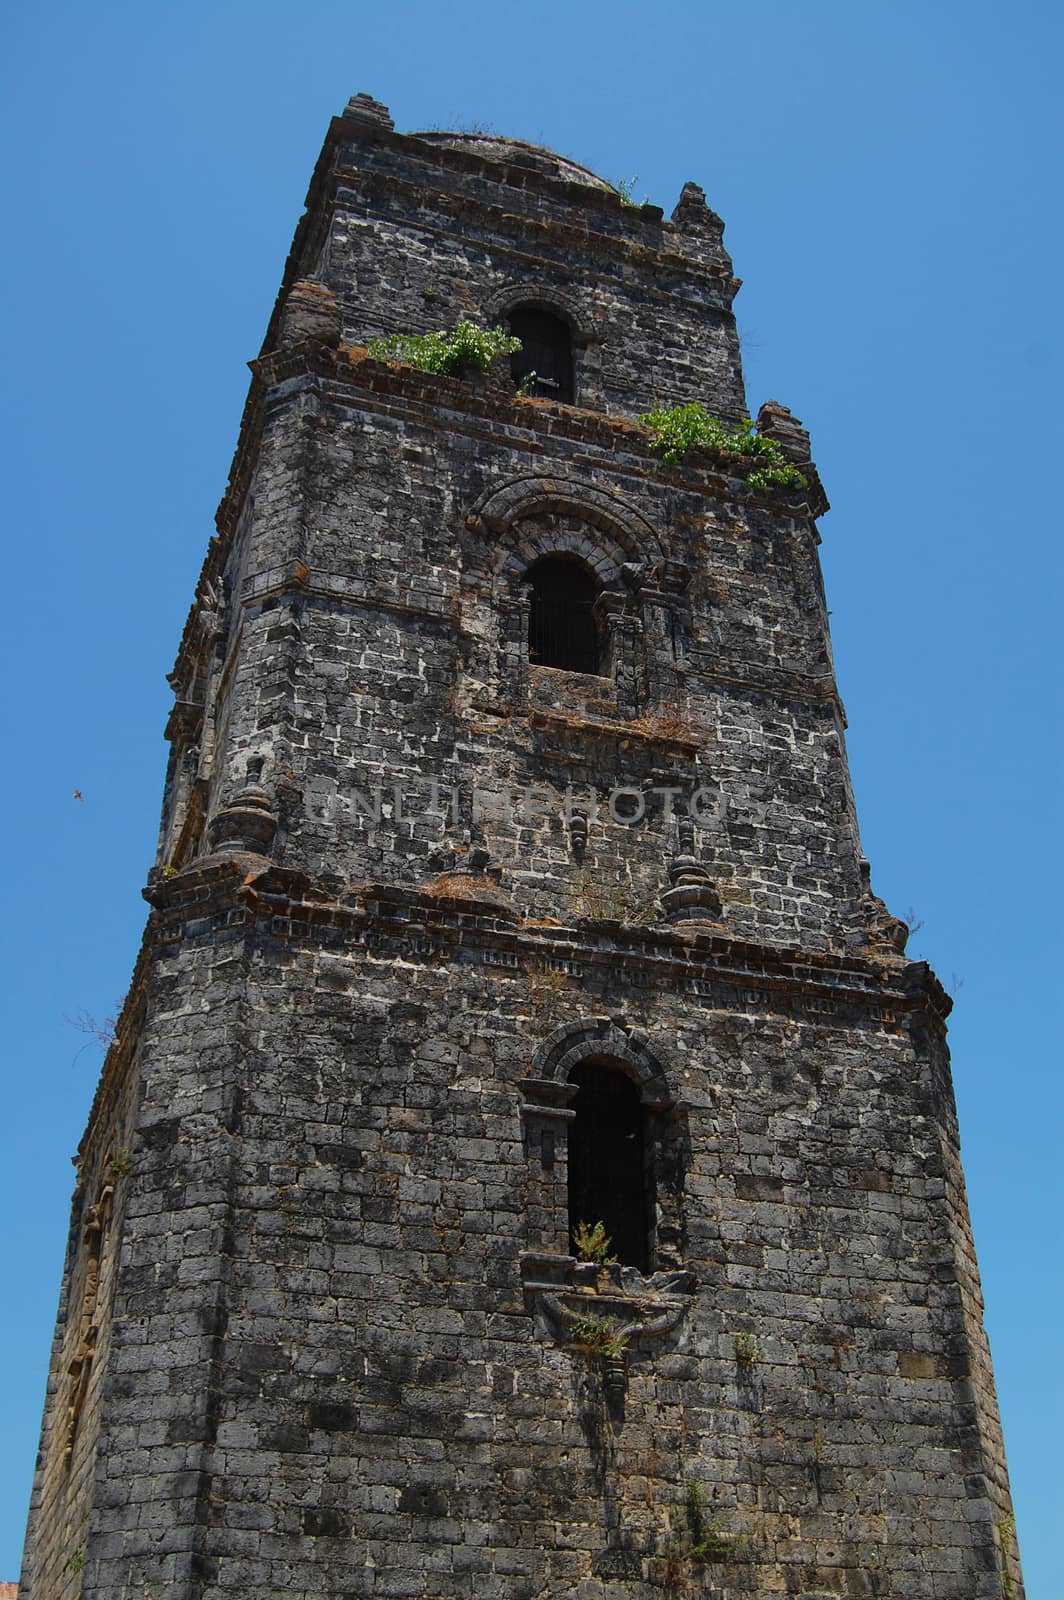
(413, 233)
(331, 1363)
(66, 1465)
(338, 1346)
(392, 659)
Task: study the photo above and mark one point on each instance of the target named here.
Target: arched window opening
(546, 350)
(562, 631)
(607, 1161)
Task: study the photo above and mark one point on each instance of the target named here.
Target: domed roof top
(516, 153)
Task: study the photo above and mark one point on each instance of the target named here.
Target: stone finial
(685, 835)
(692, 200)
(363, 108)
(246, 823)
(884, 931)
(693, 213)
(691, 896)
(879, 929)
(310, 315)
(776, 422)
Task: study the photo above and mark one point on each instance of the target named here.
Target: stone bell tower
(509, 896)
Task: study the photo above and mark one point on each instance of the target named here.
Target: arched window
(607, 1161)
(562, 631)
(546, 350)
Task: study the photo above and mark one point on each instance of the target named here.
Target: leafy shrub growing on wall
(677, 429)
(450, 350)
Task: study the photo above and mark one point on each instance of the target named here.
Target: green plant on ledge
(597, 1336)
(449, 351)
(592, 1243)
(624, 189)
(677, 429)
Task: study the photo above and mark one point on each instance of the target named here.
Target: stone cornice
(615, 249)
(470, 407)
(415, 924)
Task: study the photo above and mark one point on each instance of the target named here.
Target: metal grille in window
(546, 352)
(562, 631)
(607, 1161)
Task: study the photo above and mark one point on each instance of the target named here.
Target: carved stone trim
(246, 823)
(547, 1097)
(631, 1048)
(498, 510)
(692, 902)
(643, 1308)
(503, 301)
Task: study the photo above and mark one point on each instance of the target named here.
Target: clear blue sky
(889, 176)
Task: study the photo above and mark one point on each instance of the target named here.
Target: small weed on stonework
(591, 1242)
(119, 1165)
(597, 1336)
(100, 1031)
(459, 886)
(704, 1539)
(614, 902)
(747, 1349)
(624, 189)
(708, 1539)
(548, 991)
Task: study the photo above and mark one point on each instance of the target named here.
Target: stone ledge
(217, 897)
(642, 730)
